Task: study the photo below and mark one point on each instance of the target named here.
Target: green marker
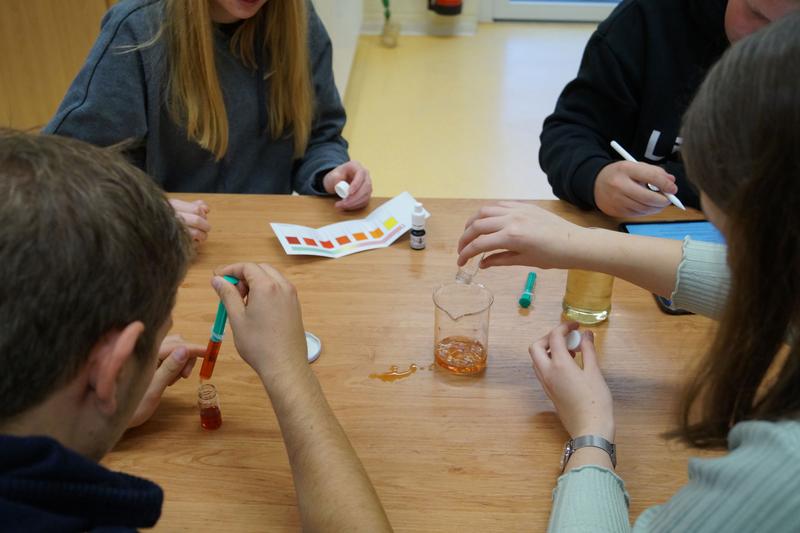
(527, 297)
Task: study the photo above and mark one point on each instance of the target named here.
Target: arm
(602, 104)
(333, 490)
(530, 235)
(589, 496)
(326, 148)
(326, 161)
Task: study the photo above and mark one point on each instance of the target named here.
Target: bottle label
(418, 241)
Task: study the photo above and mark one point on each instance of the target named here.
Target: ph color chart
(380, 229)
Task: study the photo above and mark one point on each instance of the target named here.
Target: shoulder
(141, 18)
(761, 454)
(781, 439)
(640, 17)
(317, 34)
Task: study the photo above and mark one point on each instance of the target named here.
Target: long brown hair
(742, 149)
(278, 33)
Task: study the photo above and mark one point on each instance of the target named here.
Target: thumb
(169, 371)
(229, 295)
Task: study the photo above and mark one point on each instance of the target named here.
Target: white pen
(628, 157)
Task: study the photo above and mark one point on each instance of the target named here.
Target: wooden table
(445, 452)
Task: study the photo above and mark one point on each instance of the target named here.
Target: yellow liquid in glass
(588, 296)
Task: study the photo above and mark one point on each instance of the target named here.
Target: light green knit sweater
(755, 487)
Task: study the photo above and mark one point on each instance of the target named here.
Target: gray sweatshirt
(119, 95)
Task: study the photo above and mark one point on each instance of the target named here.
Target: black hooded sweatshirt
(639, 72)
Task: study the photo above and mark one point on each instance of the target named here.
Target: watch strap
(585, 441)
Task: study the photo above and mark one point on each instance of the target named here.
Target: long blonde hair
(194, 95)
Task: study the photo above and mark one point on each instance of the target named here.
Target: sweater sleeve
(703, 280)
(327, 148)
(106, 102)
(598, 106)
(589, 498)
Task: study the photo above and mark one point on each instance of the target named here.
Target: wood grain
(445, 452)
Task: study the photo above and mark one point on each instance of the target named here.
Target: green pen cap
(218, 329)
(527, 296)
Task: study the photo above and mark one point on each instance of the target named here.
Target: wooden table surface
(445, 452)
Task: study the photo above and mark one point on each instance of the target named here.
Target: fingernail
(216, 282)
(180, 355)
(589, 334)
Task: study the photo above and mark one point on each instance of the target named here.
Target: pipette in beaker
(470, 268)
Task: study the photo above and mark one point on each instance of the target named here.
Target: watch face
(566, 455)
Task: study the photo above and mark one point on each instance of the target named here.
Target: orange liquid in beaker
(461, 355)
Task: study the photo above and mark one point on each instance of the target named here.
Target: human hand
(265, 316)
(581, 396)
(176, 359)
(620, 189)
(195, 216)
(529, 235)
(360, 182)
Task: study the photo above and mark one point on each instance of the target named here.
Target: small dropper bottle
(418, 227)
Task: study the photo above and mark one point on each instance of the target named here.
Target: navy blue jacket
(47, 487)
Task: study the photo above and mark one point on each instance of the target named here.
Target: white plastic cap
(573, 340)
(342, 189)
(418, 216)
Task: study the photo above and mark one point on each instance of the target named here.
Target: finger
(355, 200)
(653, 175)
(558, 341)
(187, 368)
(242, 286)
(481, 226)
(541, 360)
(197, 236)
(234, 304)
(182, 206)
(195, 222)
(481, 244)
(357, 181)
(486, 212)
(641, 199)
(507, 258)
(588, 351)
(169, 371)
(203, 206)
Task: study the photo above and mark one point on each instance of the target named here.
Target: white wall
(415, 18)
(342, 19)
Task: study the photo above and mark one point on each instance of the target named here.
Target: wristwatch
(584, 441)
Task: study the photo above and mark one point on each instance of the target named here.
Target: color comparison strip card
(380, 229)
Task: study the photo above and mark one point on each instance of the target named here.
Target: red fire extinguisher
(446, 7)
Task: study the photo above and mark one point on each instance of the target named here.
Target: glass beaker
(461, 326)
(587, 299)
